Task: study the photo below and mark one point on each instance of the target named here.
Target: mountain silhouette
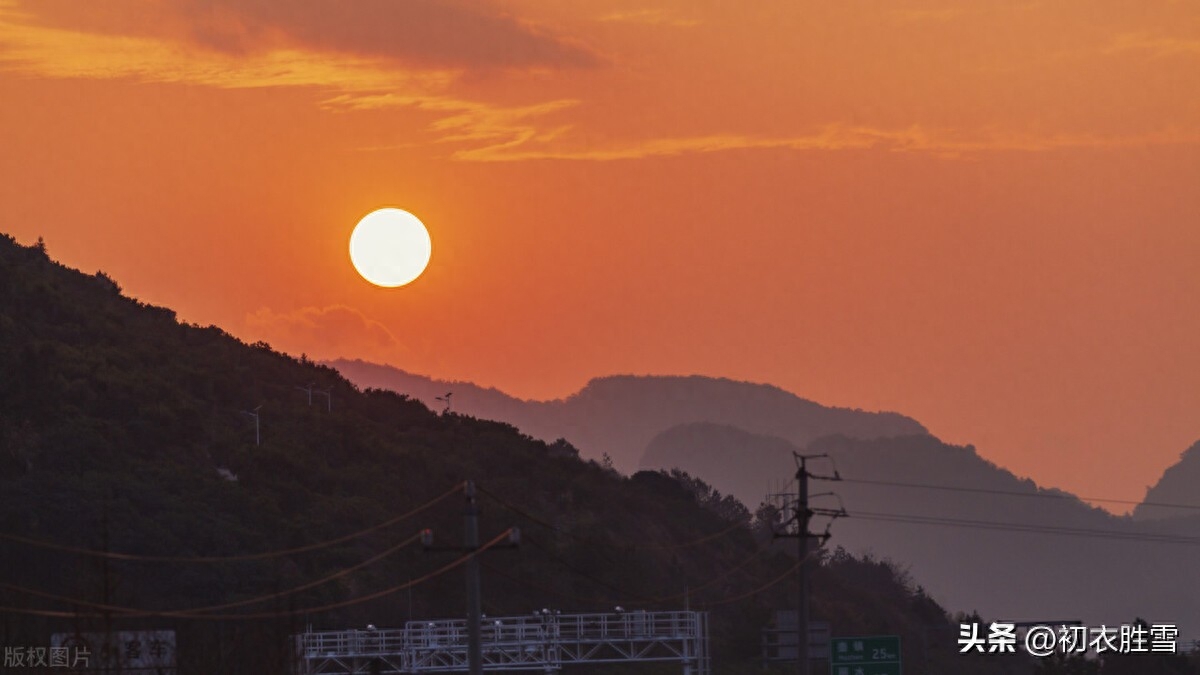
(741, 437)
(619, 415)
(1055, 557)
(1179, 484)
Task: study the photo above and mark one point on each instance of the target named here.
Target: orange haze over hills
(983, 215)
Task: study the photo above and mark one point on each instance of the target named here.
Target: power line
(651, 600)
(523, 513)
(770, 584)
(746, 561)
(1013, 493)
(719, 577)
(572, 568)
(230, 558)
(291, 612)
(545, 589)
(550, 526)
(191, 613)
(538, 521)
(634, 597)
(1025, 527)
(495, 541)
(701, 540)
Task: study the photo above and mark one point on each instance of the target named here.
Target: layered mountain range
(976, 535)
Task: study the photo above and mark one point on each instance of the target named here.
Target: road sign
(779, 639)
(865, 669)
(873, 655)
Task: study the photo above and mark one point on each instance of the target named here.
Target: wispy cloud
(911, 14)
(650, 17)
(491, 128)
(62, 53)
(424, 33)
(1154, 45)
(953, 12)
(357, 82)
(944, 143)
(352, 66)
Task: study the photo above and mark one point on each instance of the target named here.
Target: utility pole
(328, 394)
(802, 516)
(471, 547)
(474, 604)
(107, 589)
(254, 414)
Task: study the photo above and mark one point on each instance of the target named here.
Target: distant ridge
(1179, 484)
(1029, 568)
(740, 438)
(619, 415)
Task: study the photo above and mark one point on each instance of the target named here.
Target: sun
(390, 247)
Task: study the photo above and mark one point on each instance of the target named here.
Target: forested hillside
(129, 462)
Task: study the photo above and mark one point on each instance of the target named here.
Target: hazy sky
(984, 214)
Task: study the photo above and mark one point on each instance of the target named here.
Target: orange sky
(983, 214)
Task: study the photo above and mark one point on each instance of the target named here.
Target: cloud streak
(359, 82)
(423, 33)
(1155, 45)
(649, 17)
(374, 55)
(949, 144)
(62, 53)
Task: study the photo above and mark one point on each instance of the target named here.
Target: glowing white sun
(390, 247)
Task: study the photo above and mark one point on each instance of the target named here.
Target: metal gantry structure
(541, 641)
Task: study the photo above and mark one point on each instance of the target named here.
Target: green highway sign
(873, 655)
(865, 669)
